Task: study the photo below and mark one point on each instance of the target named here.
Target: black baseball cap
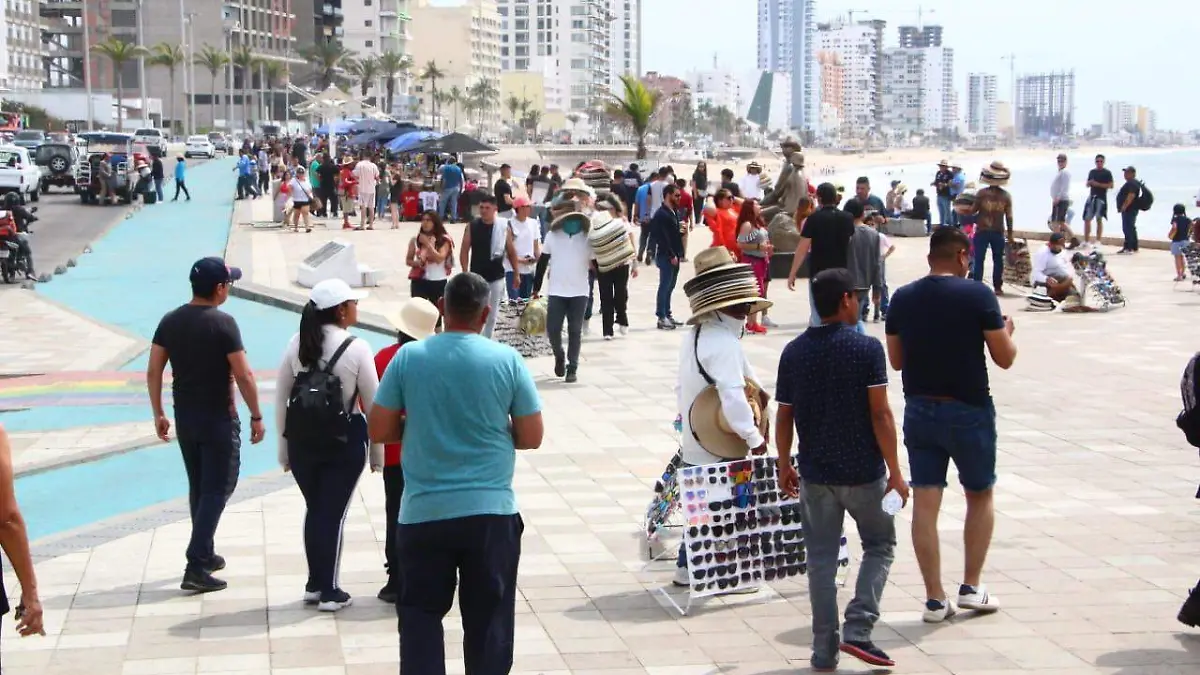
(211, 271)
(1056, 237)
(1130, 169)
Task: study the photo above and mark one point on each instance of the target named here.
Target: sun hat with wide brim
(577, 185)
(609, 241)
(719, 283)
(996, 174)
(711, 430)
(901, 188)
(943, 163)
(416, 318)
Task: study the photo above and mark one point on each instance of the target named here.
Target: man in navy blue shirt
(666, 240)
(937, 328)
(832, 386)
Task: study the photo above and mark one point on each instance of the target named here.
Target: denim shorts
(1178, 247)
(937, 431)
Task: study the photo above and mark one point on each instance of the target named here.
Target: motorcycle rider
(22, 219)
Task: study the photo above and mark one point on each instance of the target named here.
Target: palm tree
(486, 95)
(636, 109)
(273, 73)
(366, 71)
(432, 73)
(514, 106)
(574, 119)
(328, 59)
(531, 120)
(119, 52)
(246, 61)
(469, 105)
(391, 66)
(213, 60)
(456, 98)
(169, 56)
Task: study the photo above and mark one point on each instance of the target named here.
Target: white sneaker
(587, 327)
(624, 330)
(339, 599)
(937, 611)
(312, 597)
(741, 590)
(608, 338)
(766, 321)
(977, 599)
(681, 577)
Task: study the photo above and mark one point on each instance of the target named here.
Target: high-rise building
(981, 103)
(329, 19)
(21, 49)
(918, 91)
(372, 27)
(716, 88)
(832, 94)
(583, 45)
(464, 41)
(920, 36)
(1147, 121)
(857, 47)
(1119, 116)
(1045, 104)
(787, 44)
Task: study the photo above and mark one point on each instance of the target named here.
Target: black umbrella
(455, 143)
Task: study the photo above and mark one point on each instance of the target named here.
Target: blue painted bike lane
(137, 272)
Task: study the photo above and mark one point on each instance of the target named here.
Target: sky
(1142, 52)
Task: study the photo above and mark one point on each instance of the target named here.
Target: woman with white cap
(416, 320)
(325, 386)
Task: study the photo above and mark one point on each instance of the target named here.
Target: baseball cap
(212, 271)
(1057, 237)
(1130, 169)
(521, 201)
(333, 292)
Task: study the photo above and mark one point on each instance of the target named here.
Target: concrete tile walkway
(1097, 531)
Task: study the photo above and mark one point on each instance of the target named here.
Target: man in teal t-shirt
(462, 405)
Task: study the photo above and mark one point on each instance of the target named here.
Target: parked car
(221, 142)
(57, 162)
(18, 173)
(199, 146)
(153, 139)
(122, 152)
(29, 138)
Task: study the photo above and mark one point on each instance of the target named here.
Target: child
(1180, 231)
(886, 248)
(410, 202)
(429, 198)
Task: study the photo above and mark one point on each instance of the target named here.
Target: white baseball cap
(333, 292)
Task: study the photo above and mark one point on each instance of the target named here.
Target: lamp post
(87, 67)
(191, 71)
(229, 18)
(142, 67)
(183, 20)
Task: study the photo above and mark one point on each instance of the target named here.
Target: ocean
(1172, 176)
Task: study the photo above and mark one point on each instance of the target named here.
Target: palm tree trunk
(391, 94)
(173, 102)
(120, 103)
(212, 101)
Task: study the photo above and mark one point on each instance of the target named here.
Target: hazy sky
(1141, 52)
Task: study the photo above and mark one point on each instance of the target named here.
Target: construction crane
(851, 12)
(1012, 74)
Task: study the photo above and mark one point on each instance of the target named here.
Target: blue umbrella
(336, 127)
(371, 126)
(408, 141)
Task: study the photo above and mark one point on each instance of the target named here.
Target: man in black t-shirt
(482, 253)
(204, 347)
(824, 240)
(1127, 199)
(727, 183)
(503, 192)
(1100, 180)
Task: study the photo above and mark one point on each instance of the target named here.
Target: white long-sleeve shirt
(1060, 188)
(751, 186)
(1047, 264)
(720, 352)
(356, 369)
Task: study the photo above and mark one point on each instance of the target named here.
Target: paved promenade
(1097, 533)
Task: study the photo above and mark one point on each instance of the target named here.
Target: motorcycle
(14, 226)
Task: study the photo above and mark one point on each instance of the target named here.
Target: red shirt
(685, 205)
(391, 451)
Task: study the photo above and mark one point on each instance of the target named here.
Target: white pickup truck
(154, 139)
(19, 173)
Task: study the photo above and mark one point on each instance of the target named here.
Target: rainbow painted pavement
(83, 389)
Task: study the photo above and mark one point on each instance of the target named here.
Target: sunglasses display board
(739, 531)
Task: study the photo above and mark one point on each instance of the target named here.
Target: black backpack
(315, 417)
(1145, 200)
(1188, 420)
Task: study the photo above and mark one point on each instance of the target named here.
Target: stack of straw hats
(719, 283)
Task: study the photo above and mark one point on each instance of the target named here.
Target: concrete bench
(905, 227)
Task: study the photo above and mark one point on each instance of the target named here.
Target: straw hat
(417, 318)
(943, 163)
(576, 184)
(609, 241)
(901, 188)
(753, 166)
(997, 174)
(719, 283)
(711, 429)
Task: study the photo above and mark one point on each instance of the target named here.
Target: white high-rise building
(1119, 116)
(981, 104)
(374, 27)
(583, 45)
(918, 90)
(856, 46)
(787, 44)
(717, 88)
(21, 48)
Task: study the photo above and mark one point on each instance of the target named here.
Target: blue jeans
(381, 204)
(211, 444)
(1129, 227)
(524, 292)
(823, 511)
(937, 431)
(449, 203)
(985, 239)
(158, 191)
(668, 274)
(885, 295)
(479, 555)
(945, 208)
(864, 306)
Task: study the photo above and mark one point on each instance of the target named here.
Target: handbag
(416, 272)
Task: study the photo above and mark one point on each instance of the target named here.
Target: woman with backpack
(416, 320)
(325, 381)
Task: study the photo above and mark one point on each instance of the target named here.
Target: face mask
(572, 227)
(738, 325)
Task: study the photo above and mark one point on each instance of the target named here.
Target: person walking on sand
(937, 329)
(832, 394)
(459, 524)
(204, 347)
